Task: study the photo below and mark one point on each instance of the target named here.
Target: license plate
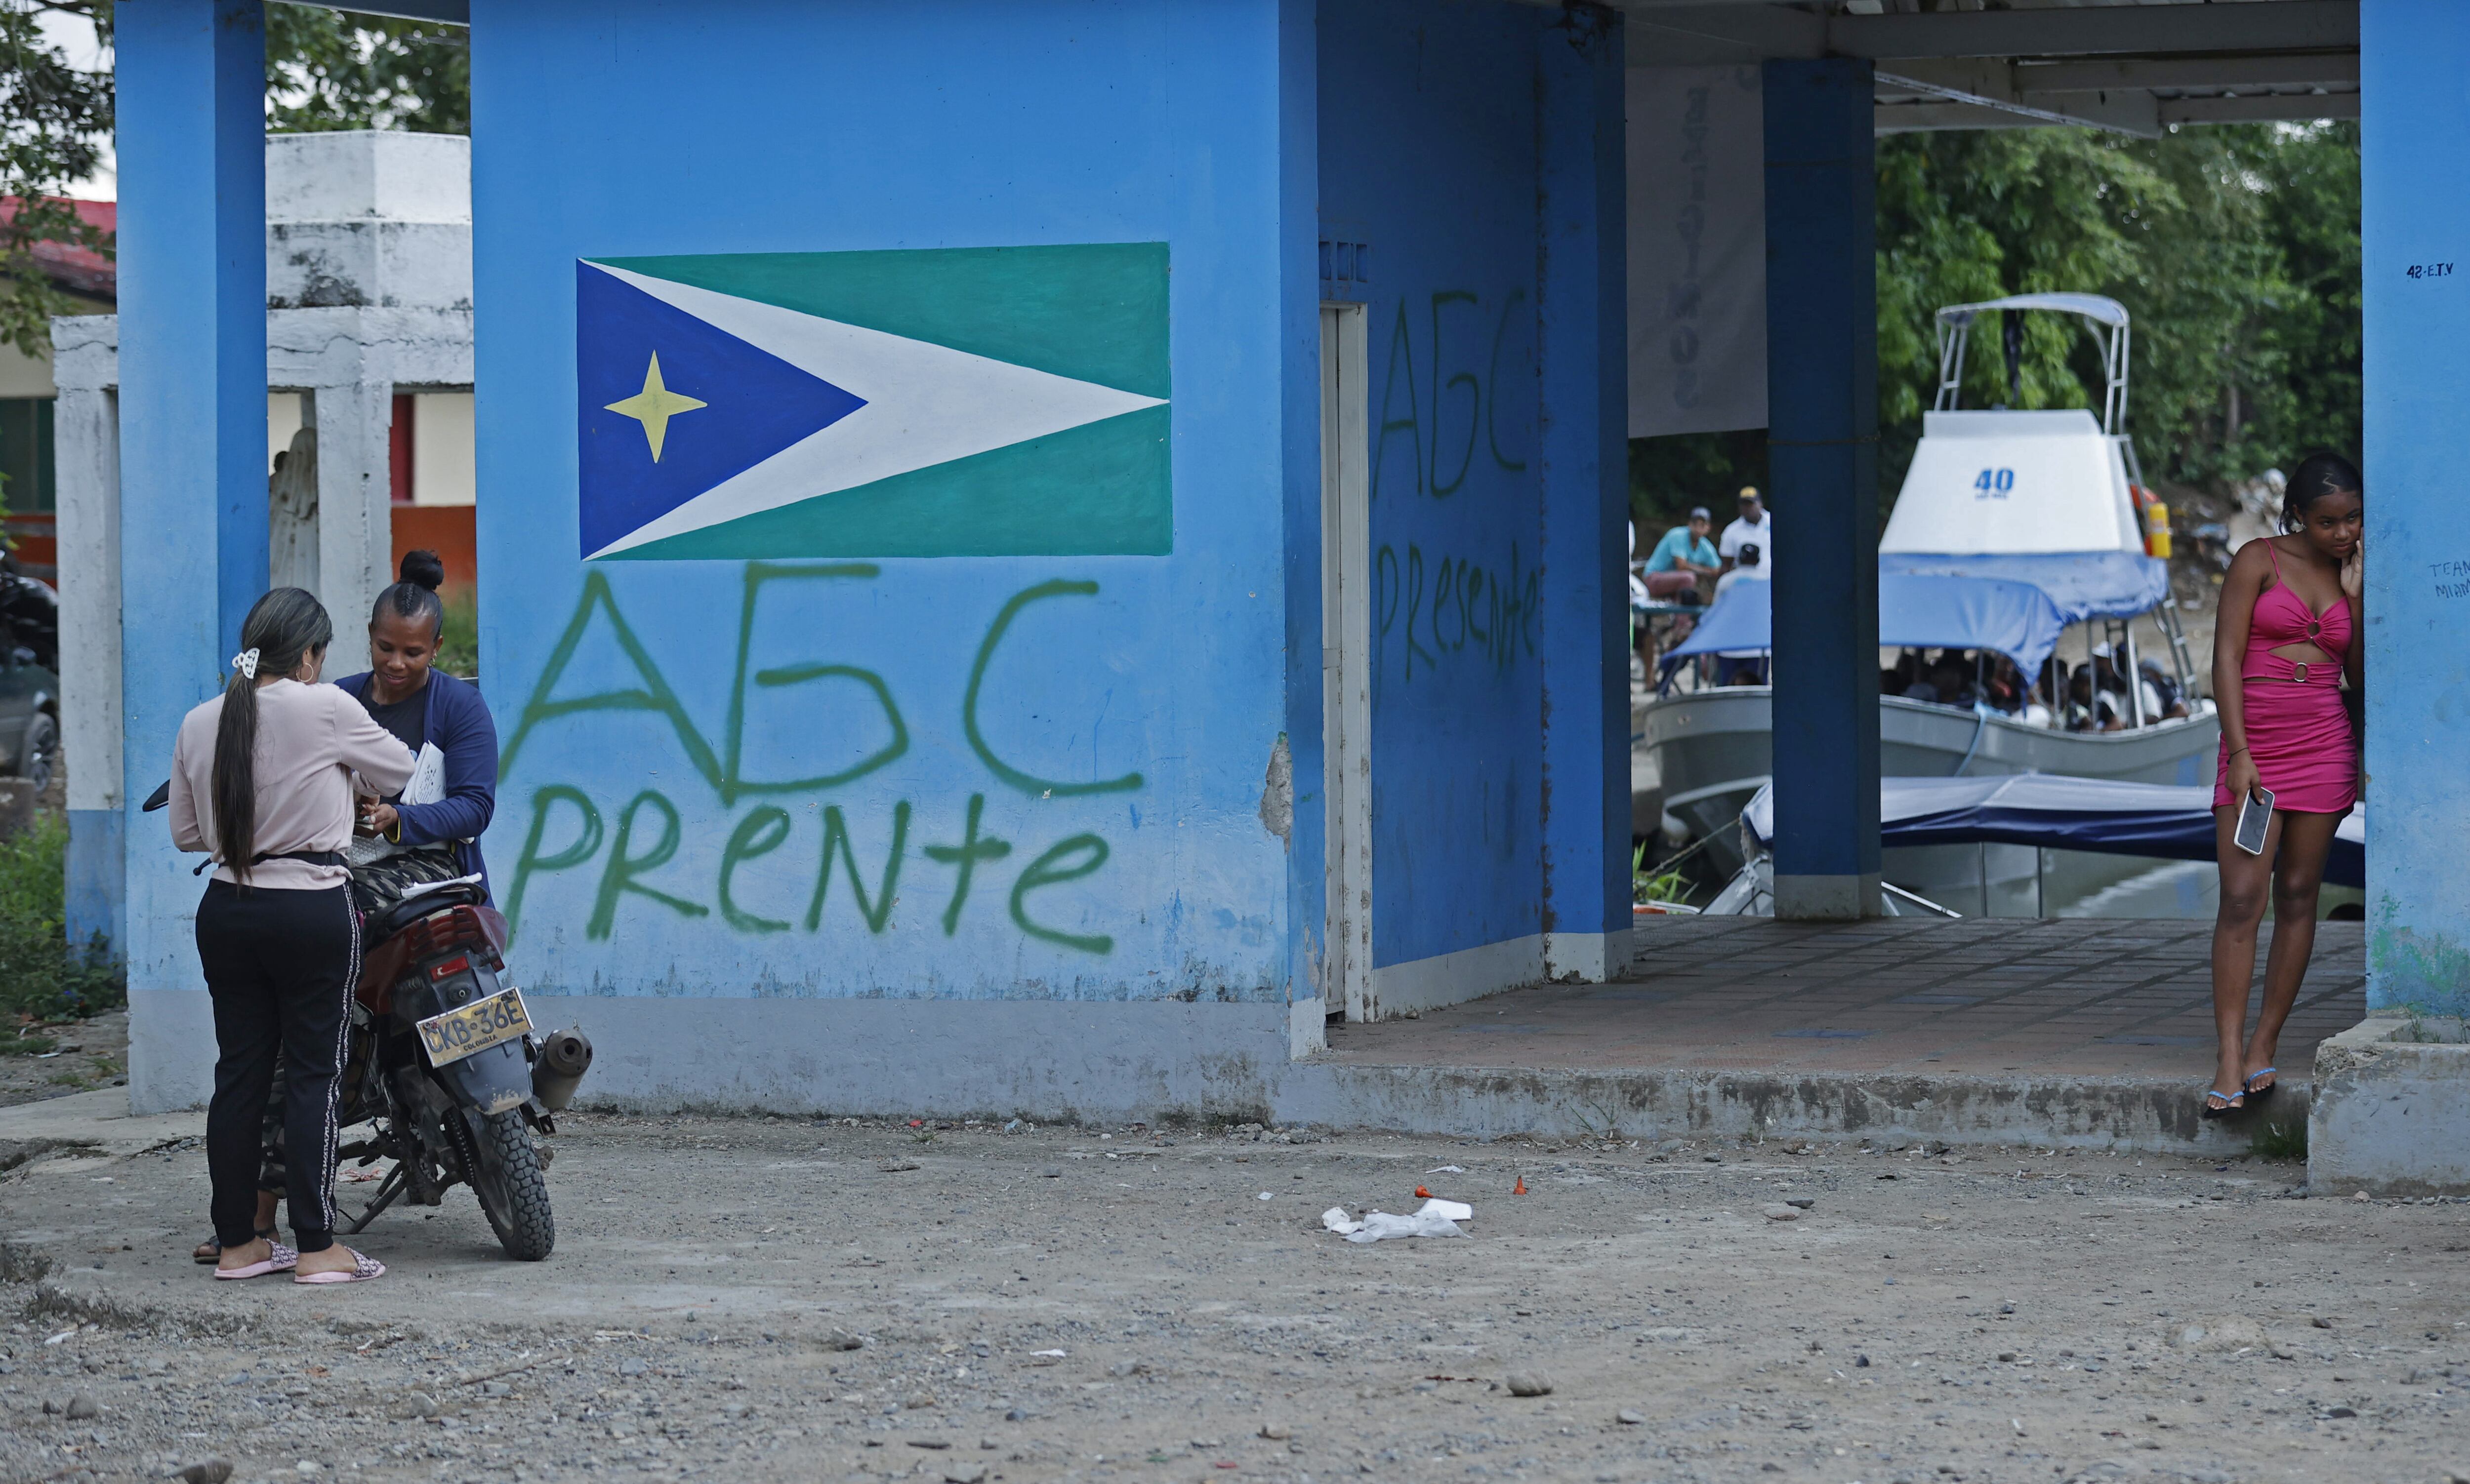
(474, 1028)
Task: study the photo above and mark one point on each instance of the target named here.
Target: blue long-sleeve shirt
(457, 720)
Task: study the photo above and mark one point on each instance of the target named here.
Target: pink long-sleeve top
(316, 748)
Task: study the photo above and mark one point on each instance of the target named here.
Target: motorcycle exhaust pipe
(564, 1056)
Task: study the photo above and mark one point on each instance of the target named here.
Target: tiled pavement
(2004, 998)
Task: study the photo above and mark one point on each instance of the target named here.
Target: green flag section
(965, 401)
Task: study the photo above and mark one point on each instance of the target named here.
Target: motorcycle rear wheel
(508, 1178)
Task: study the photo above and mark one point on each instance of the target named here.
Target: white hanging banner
(1697, 250)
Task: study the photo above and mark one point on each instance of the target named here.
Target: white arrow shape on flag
(925, 404)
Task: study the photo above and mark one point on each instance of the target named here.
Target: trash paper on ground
(1435, 1217)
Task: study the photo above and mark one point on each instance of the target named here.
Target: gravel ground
(85, 1055)
(771, 1300)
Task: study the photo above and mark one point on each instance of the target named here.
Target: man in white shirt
(1753, 527)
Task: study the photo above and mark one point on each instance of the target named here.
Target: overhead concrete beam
(2203, 74)
(1925, 118)
(1990, 84)
(2262, 108)
(1706, 33)
(455, 12)
(2254, 26)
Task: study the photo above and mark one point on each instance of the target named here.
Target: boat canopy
(2062, 813)
(1915, 610)
(2081, 584)
(2091, 306)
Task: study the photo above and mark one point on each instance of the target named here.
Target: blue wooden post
(192, 146)
(1584, 368)
(2414, 178)
(1821, 429)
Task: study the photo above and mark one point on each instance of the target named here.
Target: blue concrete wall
(191, 247)
(1582, 377)
(97, 872)
(1126, 707)
(1427, 128)
(2415, 182)
(1822, 457)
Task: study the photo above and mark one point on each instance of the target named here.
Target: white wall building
(368, 248)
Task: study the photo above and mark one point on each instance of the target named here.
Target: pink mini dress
(2297, 730)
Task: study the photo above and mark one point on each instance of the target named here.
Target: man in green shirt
(1682, 557)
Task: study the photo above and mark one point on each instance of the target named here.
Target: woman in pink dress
(2290, 627)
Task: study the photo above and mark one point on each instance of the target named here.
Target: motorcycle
(442, 1061)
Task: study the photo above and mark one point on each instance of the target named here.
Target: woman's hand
(377, 817)
(2241, 777)
(2354, 570)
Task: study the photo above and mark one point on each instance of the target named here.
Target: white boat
(2046, 498)
(2041, 847)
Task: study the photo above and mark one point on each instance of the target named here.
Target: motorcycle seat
(387, 921)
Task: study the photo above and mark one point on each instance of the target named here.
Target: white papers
(427, 783)
(1435, 1217)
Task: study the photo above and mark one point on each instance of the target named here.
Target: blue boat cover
(2063, 813)
(2014, 618)
(2081, 584)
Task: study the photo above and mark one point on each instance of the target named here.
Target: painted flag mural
(940, 401)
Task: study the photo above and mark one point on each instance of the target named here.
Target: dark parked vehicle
(30, 681)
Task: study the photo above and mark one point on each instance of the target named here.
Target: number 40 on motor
(1993, 484)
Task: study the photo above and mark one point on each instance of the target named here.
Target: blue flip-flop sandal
(2232, 1103)
(2254, 1094)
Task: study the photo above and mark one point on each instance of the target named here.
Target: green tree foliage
(2235, 249)
(338, 69)
(55, 120)
(324, 69)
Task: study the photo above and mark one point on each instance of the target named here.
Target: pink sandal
(363, 1269)
(283, 1261)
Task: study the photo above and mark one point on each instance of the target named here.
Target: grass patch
(2282, 1138)
(41, 977)
(458, 642)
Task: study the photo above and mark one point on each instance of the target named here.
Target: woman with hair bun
(404, 694)
(2292, 628)
(424, 706)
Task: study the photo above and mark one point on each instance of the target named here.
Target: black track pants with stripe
(279, 967)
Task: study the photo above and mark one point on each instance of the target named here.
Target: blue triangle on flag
(755, 406)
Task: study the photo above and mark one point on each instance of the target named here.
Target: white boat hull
(1707, 752)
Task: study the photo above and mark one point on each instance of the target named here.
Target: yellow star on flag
(654, 406)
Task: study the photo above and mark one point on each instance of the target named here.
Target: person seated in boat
(1948, 682)
(2157, 704)
(1750, 566)
(1681, 558)
(1897, 679)
(2005, 690)
(1952, 676)
(2090, 707)
(2165, 688)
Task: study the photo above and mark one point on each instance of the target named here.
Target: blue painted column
(1823, 464)
(1584, 371)
(2414, 179)
(192, 146)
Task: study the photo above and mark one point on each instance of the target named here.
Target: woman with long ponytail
(265, 777)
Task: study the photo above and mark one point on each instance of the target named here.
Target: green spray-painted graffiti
(650, 831)
(1468, 605)
(1442, 457)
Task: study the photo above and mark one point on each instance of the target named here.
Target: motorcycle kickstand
(388, 1192)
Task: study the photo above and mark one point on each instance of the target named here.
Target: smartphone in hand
(2256, 817)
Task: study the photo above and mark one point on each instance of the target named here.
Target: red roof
(77, 269)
